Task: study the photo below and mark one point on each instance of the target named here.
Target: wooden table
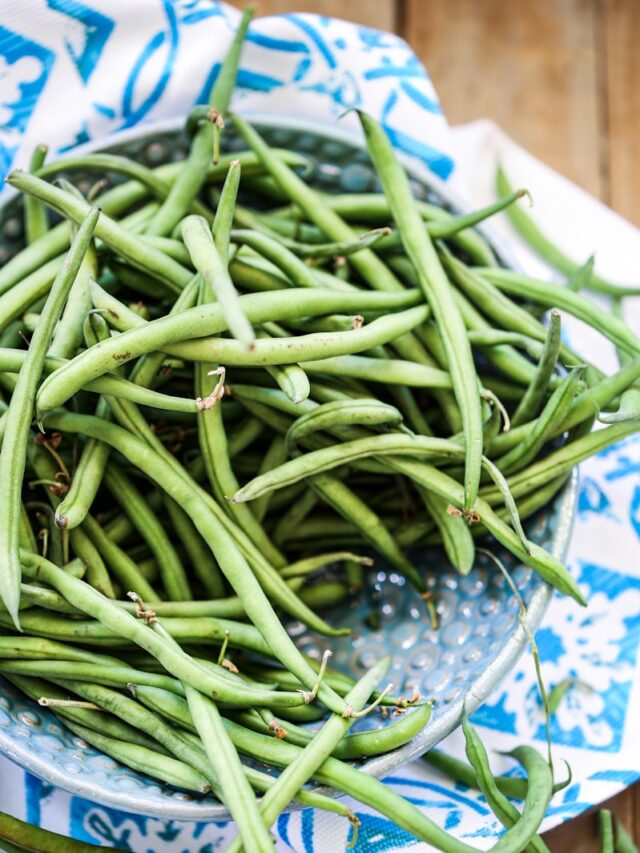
(562, 77)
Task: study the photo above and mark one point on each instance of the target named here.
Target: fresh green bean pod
(500, 805)
(533, 398)
(196, 323)
(554, 413)
(299, 771)
(548, 251)
(35, 214)
(231, 561)
(438, 293)
(172, 572)
(18, 421)
(122, 567)
(211, 266)
(551, 296)
(192, 174)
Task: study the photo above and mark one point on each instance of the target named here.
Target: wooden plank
(580, 835)
(380, 14)
(529, 66)
(621, 36)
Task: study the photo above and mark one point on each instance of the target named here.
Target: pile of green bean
(217, 382)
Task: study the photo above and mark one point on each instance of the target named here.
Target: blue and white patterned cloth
(71, 71)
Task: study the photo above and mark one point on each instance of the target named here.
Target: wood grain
(580, 835)
(621, 93)
(528, 65)
(380, 14)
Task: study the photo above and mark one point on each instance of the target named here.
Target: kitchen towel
(75, 71)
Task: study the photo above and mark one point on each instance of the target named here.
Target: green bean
(332, 772)
(554, 413)
(303, 348)
(231, 561)
(17, 836)
(369, 743)
(532, 400)
(317, 210)
(294, 515)
(562, 461)
(222, 754)
(206, 631)
(14, 446)
(354, 783)
(82, 546)
(11, 360)
(457, 540)
(149, 762)
(438, 293)
(35, 214)
(310, 464)
(503, 809)
(223, 221)
(547, 566)
(368, 412)
(112, 676)
(236, 790)
(174, 577)
(26, 538)
(211, 429)
(290, 378)
(628, 410)
(539, 790)
(623, 841)
(171, 657)
(35, 648)
(549, 252)
(36, 596)
(214, 449)
(200, 557)
(374, 209)
(509, 786)
(114, 386)
(344, 501)
(496, 305)
(341, 249)
(298, 273)
(551, 296)
(193, 172)
(173, 248)
(275, 455)
(311, 564)
(194, 323)
(209, 263)
(152, 179)
(560, 690)
(263, 781)
(112, 202)
(103, 722)
(267, 575)
(388, 371)
(299, 771)
(15, 302)
(629, 407)
(586, 404)
(123, 568)
(135, 251)
(244, 435)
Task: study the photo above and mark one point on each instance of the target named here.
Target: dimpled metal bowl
(479, 639)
